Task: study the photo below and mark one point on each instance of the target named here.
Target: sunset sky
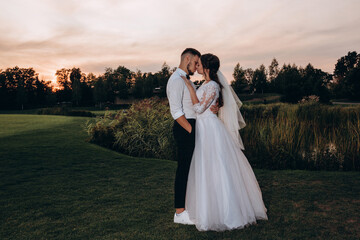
(143, 34)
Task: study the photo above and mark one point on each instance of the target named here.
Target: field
(55, 185)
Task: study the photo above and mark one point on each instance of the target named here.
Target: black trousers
(185, 143)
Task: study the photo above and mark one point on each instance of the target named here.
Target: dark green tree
(148, 86)
(21, 85)
(259, 81)
(240, 82)
(21, 93)
(63, 80)
(75, 79)
(99, 90)
(4, 94)
(20, 88)
(43, 93)
(138, 89)
(249, 74)
(288, 83)
(118, 82)
(315, 82)
(273, 70)
(353, 81)
(346, 83)
(161, 79)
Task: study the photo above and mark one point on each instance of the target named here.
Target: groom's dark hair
(192, 51)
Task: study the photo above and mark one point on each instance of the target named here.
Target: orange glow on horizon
(54, 85)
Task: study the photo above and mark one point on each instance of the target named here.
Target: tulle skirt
(222, 190)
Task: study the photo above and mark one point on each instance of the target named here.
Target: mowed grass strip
(55, 185)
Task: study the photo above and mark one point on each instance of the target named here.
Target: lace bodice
(207, 94)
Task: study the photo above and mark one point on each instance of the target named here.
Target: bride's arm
(192, 91)
(206, 99)
(194, 99)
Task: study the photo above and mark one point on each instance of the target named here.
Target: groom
(182, 111)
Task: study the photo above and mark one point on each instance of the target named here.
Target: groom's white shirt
(179, 96)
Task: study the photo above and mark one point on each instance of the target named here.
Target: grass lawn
(95, 111)
(55, 185)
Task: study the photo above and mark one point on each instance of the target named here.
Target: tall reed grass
(302, 136)
(277, 136)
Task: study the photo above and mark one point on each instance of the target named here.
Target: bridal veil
(229, 113)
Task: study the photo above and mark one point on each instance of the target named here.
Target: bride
(222, 191)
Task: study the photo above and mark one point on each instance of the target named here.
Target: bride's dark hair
(212, 62)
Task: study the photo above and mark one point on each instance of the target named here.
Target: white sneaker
(183, 218)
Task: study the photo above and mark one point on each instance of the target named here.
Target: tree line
(295, 83)
(21, 87)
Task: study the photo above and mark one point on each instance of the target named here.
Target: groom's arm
(215, 108)
(174, 92)
(184, 123)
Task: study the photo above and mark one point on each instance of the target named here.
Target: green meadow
(56, 185)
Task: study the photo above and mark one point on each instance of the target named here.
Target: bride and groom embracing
(215, 186)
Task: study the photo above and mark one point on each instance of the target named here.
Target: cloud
(139, 34)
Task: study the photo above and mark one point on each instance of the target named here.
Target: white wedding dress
(222, 191)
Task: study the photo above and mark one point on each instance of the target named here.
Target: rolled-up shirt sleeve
(175, 91)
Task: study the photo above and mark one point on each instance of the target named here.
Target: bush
(145, 130)
(102, 130)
